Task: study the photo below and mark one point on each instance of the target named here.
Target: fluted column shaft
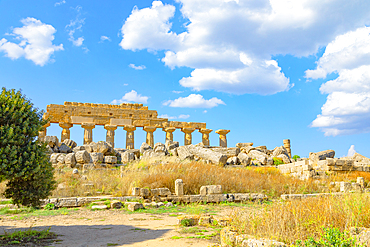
(287, 147)
(110, 133)
(205, 136)
(169, 133)
(149, 135)
(42, 132)
(188, 137)
(66, 133)
(130, 142)
(88, 127)
(223, 140)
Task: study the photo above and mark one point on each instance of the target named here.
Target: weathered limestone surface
(70, 143)
(315, 157)
(244, 159)
(88, 136)
(188, 137)
(82, 157)
(149, 135)
(184, 153)
(169, 133)
(130, 136)
(70, 160)
(179, 187)
(208, 154)
(66, 133)
(63, 148)
(223, 140)
(246, 144)
(110, 133)
(205, 136)
(229, 152)
(97, 158)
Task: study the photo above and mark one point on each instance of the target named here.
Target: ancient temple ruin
(126, 115)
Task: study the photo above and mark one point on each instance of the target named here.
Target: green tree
(24, 162)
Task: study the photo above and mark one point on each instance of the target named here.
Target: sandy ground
(109, 228)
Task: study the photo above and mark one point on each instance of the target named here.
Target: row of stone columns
(88, 127)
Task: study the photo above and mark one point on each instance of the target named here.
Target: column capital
(169, 129)
(129, 127)
(88, 125)
(222, 131)
(149, 128)
(65, 125)
(110, 127)
(187, 130)
(205, 131)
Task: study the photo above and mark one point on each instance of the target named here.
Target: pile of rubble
(323, 163)
(102, 154)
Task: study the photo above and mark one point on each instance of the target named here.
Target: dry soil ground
(84, 227)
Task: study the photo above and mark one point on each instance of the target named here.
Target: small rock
(99, 207)
(75, 171)
(116, 204)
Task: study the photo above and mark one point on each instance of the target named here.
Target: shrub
(295, 157)
(330, 237)
(24, 163)
(278, 161)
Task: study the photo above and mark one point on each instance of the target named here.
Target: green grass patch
(30, 236)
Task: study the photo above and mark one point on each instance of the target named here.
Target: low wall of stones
(306, 168)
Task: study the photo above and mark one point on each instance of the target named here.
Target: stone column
(169, 133)
(179, 187)
(205, 136)
(287, 147)
(88, 132)
(223, 140)
(42, 132)
(66, 133)
(129, 136)
(110, 133)
(149, 135)
(188, 138)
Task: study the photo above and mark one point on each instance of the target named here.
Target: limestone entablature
(120, 115)
(128, 116)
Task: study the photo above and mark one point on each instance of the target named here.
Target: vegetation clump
(24, 163)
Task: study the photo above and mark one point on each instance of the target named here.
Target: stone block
(244, 159)
(100, 147)
(99, 207)
(78, 148)
(97, 158)
(61, 158)
(82, 157)
(70, 160)
(144, 192)
(127, 157)
(135, 191)
(361, 181)
(246, 144)
(345, 187)
(63, 148)
(144, 147)
(70, 143)
(51, 141)
(229, 152)
(184, 153)
(116, 204)
(164, 192)
(133, 206)
(54, 158)
(232, 160)
(110, 159)
(210, 189)
(154, 192)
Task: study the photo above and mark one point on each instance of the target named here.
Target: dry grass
(194, 174)
(299, 219)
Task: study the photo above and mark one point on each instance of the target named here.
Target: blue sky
(267, 70)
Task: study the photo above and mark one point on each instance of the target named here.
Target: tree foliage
(24, 162)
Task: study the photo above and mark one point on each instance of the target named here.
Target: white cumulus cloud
(140, 67)
(194, 101)
(36, 42)
(132, 96)
(347, 109)
(231, 41)
(351, 151)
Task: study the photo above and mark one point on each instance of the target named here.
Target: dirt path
(110, 228)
